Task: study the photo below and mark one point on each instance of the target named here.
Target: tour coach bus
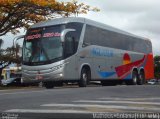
(81, 50)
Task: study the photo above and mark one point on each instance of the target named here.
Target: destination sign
(45, 35)
(51, 34)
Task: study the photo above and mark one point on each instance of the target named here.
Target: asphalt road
(75, 102)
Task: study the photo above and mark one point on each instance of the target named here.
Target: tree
(16, 14)
(1, 42)
(157, 67)
(77, 9)
(8, 56)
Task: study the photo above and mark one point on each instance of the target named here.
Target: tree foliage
(1, 42)
(157, 67)
(22, 13)
(8, 56)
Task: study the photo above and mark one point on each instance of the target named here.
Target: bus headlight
(60, 75)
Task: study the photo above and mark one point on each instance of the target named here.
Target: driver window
(69, 44)
(28, 51)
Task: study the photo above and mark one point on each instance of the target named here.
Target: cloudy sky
(140, 17)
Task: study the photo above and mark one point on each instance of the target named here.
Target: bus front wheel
(49, 85)
(85, 77)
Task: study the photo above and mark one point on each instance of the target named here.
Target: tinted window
(70, 46)
(78, 28)
(72, 38)
(106, 38)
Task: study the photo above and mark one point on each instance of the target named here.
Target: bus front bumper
(28, 78)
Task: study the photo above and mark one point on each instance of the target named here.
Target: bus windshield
(43, 45)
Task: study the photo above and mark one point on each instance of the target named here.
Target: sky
(139, 17)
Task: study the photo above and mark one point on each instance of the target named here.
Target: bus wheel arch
(85, 76)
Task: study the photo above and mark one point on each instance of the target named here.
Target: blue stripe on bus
(106, 74)
(128, 77)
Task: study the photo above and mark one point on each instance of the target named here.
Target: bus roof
(83, 20)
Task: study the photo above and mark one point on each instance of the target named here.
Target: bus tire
(134, 79)
(49, 85)
(85, 77)
(141, 78)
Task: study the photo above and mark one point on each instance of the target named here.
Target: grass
(9, 87)
(16, 87)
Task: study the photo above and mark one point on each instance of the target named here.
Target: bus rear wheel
(141, 78)
(49, 85)
(134, 79)
(85, 78)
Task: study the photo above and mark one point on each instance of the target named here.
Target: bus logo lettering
(100, 52)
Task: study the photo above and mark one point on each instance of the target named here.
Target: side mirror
(64, 32)
(17, 38)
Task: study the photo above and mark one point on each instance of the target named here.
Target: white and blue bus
(82, 50)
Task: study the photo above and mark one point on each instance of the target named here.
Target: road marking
(28, 91)
(81, 107)
(155, 98)
(119, 102)
(19, 89)
(103, 106)
(45, 111)
(15, 93)
(9, 92)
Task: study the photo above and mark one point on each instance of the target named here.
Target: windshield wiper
(56, 59)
